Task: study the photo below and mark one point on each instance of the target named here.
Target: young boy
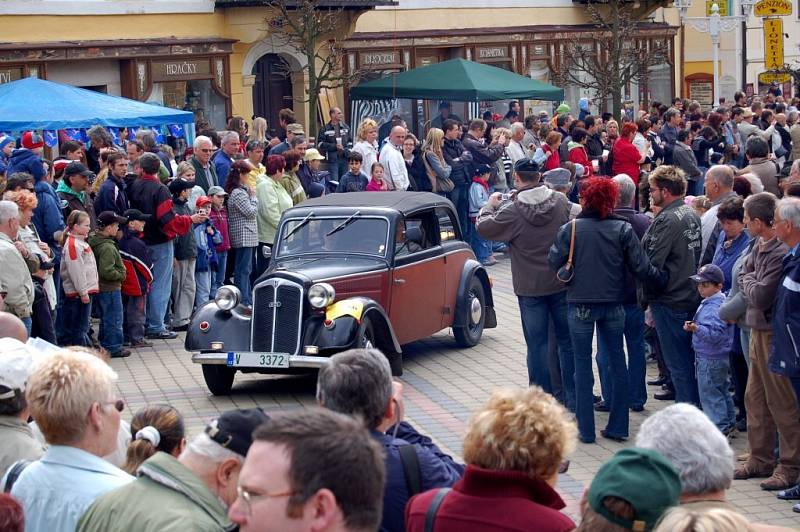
(138, 277)
(478, 196)
(110, 273)
(354, 180)
(712, 340)
(183, 282)
(219, 217)
(207, 238)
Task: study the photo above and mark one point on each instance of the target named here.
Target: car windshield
(352, 233)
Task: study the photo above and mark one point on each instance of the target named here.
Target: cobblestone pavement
(443, 385)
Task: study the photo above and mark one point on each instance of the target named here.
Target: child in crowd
(353, 180)
(478, 196)
(712, 340)
(111, 273)
(138, 278)
(219, 217)
(377, 183)
(207, 238)
(183, 281)
(78, 280)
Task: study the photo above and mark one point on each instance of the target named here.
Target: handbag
(437, 184)
(567, 272)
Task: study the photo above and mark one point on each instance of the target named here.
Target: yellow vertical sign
(773, 43)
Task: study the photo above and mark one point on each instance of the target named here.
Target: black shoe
(586, 440)
(618, 439)
(657, 382)
(596, 398)
(164, 335)
(668, 395)
(741, 425)
(637, 408)
(122, 353)
(792, 494)
(601, 407)
(181, 328)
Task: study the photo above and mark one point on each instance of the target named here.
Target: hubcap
(367, 342)
(475, 310)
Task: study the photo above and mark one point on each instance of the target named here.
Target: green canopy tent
(457, 80)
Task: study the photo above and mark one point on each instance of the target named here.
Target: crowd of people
(674, 232)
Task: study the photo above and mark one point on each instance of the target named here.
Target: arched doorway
(272, 90)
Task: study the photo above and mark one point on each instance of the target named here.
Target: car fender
(473, 268)
(210, 324)
(359, 308)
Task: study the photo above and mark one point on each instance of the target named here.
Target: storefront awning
(456, 80)
(33, 103)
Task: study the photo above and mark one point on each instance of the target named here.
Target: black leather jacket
(605, 249)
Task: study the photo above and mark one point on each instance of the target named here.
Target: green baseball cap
(643, 478)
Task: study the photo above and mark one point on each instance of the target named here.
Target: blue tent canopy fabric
(33, 103)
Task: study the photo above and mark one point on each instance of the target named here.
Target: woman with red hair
(604, 248)
(626, 157)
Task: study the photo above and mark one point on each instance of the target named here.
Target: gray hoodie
(529, 225)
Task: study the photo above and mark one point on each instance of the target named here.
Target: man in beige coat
(15, 278)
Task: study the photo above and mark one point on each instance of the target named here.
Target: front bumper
(295, 361)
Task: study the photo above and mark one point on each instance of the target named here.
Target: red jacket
(625, 159)
(577, 154)
(492, 500)
(552, 162)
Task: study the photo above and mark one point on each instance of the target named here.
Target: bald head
(12, 327)
(398, 135)
(719, 181)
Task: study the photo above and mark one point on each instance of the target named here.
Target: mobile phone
(505, 197)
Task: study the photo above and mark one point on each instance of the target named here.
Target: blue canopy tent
(32, 103)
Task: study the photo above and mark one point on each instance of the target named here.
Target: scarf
(482, 183)
(63, 187)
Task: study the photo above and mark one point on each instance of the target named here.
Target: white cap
(16, 361)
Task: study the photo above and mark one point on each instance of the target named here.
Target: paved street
(443, 385)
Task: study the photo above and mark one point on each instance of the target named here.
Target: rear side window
(448, 225)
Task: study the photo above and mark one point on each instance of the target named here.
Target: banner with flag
(50, 137)
(176, 130)
(114, 131)
(73, 134)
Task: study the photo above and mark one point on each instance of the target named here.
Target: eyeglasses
(250, 499)
(206, 150)
(119, 404)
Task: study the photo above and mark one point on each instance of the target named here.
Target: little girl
(79, 280)
(377, 183)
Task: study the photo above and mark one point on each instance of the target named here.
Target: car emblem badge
(275, 304)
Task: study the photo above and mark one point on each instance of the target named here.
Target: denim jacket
(714, 337)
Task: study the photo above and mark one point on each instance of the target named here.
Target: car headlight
(228, 297)
(321, 295)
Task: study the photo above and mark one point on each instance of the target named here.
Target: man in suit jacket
(205, 173)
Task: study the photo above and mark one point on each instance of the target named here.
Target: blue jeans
(714, 383)
(481, 247)
(75, 318)
(109, 305)
(203, 282)
(637, 368)
(536, 312)
(218, 277)
(28, 322)
(161, 288)
(460, 198)
(610, 321)
(243, 265)
(676, 347)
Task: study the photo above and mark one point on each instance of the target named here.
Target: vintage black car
(359, 269)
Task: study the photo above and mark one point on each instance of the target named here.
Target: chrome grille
(277, 316)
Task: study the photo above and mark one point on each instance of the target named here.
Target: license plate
(258, 360)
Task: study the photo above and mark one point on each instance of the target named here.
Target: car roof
(403, 202)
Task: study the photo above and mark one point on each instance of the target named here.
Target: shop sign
(765, 78)
(10, 74)
(176, 70)
(773, 43)
(772, 8)
(493, 52)
(724, 9)
(379, 58)
(702, 91)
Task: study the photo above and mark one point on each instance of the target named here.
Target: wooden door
(272, 90)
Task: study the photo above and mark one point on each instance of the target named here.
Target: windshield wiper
(344, 223)
(297, 227)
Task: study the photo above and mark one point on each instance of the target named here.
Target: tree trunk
(313, 96)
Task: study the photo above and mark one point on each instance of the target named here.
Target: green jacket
(110, 270)
(166, 497)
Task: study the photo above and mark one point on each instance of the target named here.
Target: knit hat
(5, 140)
(641, 477)
(32, 140)
(562, 109)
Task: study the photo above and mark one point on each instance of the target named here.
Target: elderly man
(333, 142)
(719, 187)
(223, 159)
(11, 326)
(72, 398)
(672, 242)
(205, 172)
(322, 470)
(515, 149)
(391, 156)
(359, 383)
(15, 278)
(16, 435)
(194, 490)
(770, 400)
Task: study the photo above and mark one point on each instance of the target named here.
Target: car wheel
(366, 334)
(470, 335)
(219, 379)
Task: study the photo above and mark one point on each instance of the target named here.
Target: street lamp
(714, 25)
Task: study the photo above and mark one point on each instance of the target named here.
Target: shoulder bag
(567, 272)
(437, 184)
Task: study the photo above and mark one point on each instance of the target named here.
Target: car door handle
(399, 281)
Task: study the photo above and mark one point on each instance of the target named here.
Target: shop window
(197, 96)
